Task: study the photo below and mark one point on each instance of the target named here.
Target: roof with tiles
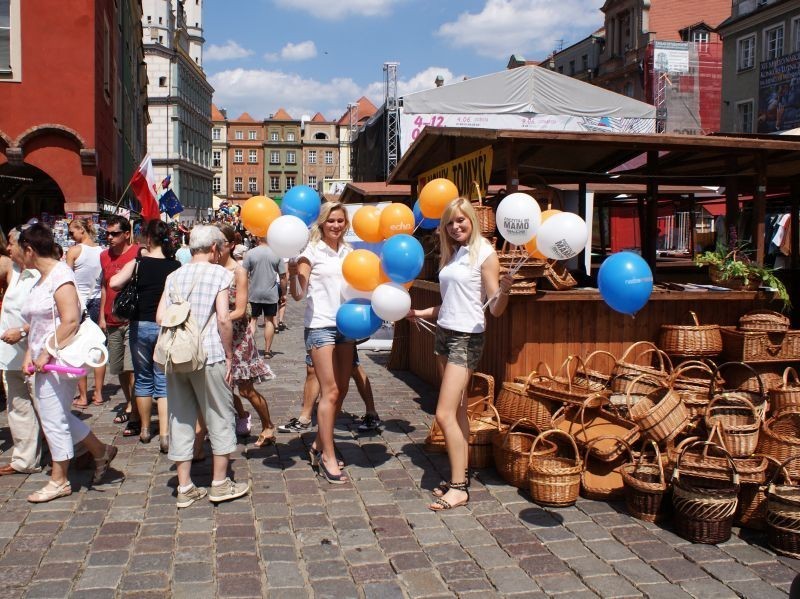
(281, 115)
(216, 115)
(365, 110)
(318, 118)
(245, 118)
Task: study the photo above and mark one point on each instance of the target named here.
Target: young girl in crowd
(469, 273)
(317, 273)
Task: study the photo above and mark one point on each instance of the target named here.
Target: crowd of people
(219, 285)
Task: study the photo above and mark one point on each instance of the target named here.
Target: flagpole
(122, 197)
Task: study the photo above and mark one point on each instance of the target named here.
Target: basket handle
(592, 399)
(688, 366)
(733, 398)
(547, 368)
(694, 318)
(630, 385)
(554, 431)
(793, 372)
(598, 352)
(657, 451)
(676, 472)
(725, 365)
(649, 344)
(494, 421)
(477, 191)
(603, 438)
(785, 471)
(512, 427)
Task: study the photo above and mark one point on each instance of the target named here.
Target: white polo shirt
(324, 294)
(462, 291)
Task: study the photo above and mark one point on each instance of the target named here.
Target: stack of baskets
(763, 336)
(526, 275)
(690, 341)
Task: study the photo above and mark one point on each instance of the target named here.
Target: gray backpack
(179, 347)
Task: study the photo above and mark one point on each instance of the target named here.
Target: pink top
(38, 311)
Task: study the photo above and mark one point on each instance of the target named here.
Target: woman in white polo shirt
(469, 273)
(317, 275)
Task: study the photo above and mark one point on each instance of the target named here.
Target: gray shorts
(119, 353)
(461, 349)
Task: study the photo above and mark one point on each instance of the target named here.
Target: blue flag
(170, 203)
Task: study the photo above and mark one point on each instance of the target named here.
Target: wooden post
(649, 243)
(760, 207)
(692, 225)
(602, 225)
(794, 225)
(642, 223)
(512, 168)
(414, 192)
(582, 214)
(732, 202)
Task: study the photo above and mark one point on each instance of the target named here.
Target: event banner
(412, 124)
(779, 94)
(475, 167)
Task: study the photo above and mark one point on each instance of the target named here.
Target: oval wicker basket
(738, 423)
(767, 321)
(780, 439)
(626, 370)
(484, 214)
(787, 394)
(783, 513)
(512, 450)
(646, 487)
(660, 414)
(553, 480)
(690, 340)
(603, 480)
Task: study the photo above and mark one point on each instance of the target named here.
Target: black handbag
(126, 304)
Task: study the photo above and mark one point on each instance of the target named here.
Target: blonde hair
(447, 245)
(86, 224)
(324, 214)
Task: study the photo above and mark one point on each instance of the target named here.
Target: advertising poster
(779, 94)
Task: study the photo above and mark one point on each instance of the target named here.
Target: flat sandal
(442, 504)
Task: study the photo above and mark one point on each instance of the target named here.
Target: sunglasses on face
(115, 233)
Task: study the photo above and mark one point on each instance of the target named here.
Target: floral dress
(246, 364)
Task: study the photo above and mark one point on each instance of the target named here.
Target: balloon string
(417, 227)
(426, 325)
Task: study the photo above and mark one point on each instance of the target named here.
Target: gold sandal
(52, 490)
(265, 438)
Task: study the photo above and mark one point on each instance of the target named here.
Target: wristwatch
(23, 333)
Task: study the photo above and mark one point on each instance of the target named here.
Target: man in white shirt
(22, 418)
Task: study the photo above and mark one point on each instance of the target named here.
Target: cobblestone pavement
(298, 536)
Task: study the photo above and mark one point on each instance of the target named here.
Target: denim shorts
(316, 338)
(149, 379)
(461, 349)
(93, 309)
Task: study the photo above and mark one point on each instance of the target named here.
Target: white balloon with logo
(349, 292)
(518, 217)
(562, 236)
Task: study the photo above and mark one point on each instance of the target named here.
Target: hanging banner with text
(779, 94)
(462, 171)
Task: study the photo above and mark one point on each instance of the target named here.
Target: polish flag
(143, 185)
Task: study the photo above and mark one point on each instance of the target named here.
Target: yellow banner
(462, 171)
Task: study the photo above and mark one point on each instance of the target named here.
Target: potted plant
(734, 269)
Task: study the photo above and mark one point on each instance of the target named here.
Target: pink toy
(60, 368)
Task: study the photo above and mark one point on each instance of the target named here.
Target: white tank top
(87, 272)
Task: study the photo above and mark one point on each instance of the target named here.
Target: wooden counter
(551, 325)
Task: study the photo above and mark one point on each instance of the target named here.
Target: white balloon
(349, 292)
(287, 236)
(391, 301)
(518, 218)
(562, 236)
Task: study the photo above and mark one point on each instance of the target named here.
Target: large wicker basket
(516, 402)
(512, 450)
(553, 480)
(660, 415)
(752, 509)
(760, 346)
(783, 513)
(628, 368)
(646, 488)
(737, 422)
(780, 439)
(787, 395)
(764, 321)
(690, 340)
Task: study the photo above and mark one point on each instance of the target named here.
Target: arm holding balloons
(299, 271)
(496, 287)
(431, 313)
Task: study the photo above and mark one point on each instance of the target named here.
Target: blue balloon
(626, 282)
(422, 222)
(402, 257)
(303, 202)
(356, 319)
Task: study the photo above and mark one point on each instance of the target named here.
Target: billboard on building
(671, 57)
(779, 94)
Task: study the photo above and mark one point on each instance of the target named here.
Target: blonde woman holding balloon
(469, 273)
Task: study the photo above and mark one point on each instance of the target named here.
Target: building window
(238, 156)
(571, 67)
(312, 156)
(585, 62)
(744, 117)
(328, 157)
(252, 185)
(291, 157)
(273, 136)
(238, 185)
(746, 53)
(312, 181)
(290, 136)
(700, 36)
(216, 133)
(10, 41)
(216, 158)
(274, 183)
(274, 157)
(561, 69)
(162, 82)
(216, 185)
(239, 135)
(773, 43)
(289, 183)
(321, 136)
(251, 135)
(252, 157)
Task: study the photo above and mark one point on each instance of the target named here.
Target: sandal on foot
(133, 429)
(98, 403)
(101, 464)
(79, 405)
(442, 504)
(145, 436)
(122, 417)
(314, 456)
(334, 479)
(52, 490)
(443, 487)
(163, 444)
(265, 438)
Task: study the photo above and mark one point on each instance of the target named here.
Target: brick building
(245, 158)
(320, 151)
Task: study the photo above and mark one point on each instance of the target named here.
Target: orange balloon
(435, 197)
(362, 269)
(548, 213)
(396, 218)
(385, 279)
(367, 224)
(531, 245)
(258, 213)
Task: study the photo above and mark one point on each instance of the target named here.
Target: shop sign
(462, 171)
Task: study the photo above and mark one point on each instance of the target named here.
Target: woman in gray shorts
(469, 273)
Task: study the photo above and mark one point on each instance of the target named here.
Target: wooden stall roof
(576, 157)
(373, 191)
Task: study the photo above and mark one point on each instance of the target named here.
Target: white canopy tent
(527, 98)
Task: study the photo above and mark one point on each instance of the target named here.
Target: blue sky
(319, 55)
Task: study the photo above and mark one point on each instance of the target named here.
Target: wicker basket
(735, 283)
(627, 369)
(764, 321)
(646, 488)
(783, 513)
(660, 415)
(780, 439)
(515, 402)
(690, 340)
(560, 387)
(603, 480)
(693, 390)
(787, 394)
(589, 378)
(483, 428)
(557, 277)
(760, 346)
(512, 450)
(751, 469)
(704, 507)
(484, 214)
(737, 422)
(553, 480)
(752, 509)
(750, 387)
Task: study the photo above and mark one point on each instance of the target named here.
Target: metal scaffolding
(392, 108)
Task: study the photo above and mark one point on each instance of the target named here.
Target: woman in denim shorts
(469, 273)
(317, 276)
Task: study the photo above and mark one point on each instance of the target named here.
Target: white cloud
(229, 51)
(339, 9)
(528, 27)
(302, 51)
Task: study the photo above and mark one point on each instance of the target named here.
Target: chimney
(439, 81)
(224, 112)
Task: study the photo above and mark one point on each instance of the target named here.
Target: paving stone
(189, 572)
(568, 549)
(100, 577)
(340, 588)
(511, 579)
(403, 562)
(756, 588)
(382, 590)
(423, 584)
(611, 586)
(678, 569)
(491, 556)
(589, 566)
(239, 586)
(637, 571)
(663, 590)
(567, 582)
(284, 575)
(708, 588)
(774, 572)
